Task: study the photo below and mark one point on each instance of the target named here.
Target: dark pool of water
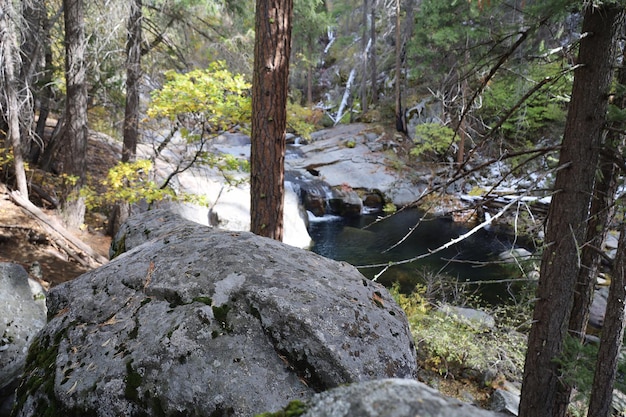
(349, 240)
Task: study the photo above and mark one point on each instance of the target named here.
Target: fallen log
(55, 228)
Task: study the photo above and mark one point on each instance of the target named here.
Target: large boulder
(191, 321)
(22, 315)
(388, 398)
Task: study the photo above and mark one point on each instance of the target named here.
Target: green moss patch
(294, 409)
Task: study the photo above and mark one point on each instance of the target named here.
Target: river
(470, 261)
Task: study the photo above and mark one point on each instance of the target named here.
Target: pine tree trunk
(569, 211)
(364, 47)
(133, 77)
(8, 53)
(74, 146)
(613, 329)
(611, 338)
(400, 121)
(373, 68)
(272, 48)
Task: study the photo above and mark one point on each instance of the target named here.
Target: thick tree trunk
(604, 193)
(569, 212)
(272, 48)
(74, 147)
(613, 329)
(133, 76)
(8, 53)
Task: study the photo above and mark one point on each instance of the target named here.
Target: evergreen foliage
(543, 113)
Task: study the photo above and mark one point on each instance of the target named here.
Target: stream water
(468, 261)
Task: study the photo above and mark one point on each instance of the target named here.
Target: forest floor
(23, 240)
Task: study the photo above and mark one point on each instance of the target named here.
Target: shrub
(455, 346)
(432, 138)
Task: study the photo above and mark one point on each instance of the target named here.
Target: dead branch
(61, 234)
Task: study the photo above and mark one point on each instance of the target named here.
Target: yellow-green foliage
(129, 182)
(303, 120)
(432, 137)
(215, 100)
(390, 208)
(213, 97)
(449, 344)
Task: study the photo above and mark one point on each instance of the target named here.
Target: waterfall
(346, 96)
(331, 40)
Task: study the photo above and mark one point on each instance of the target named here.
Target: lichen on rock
(193, 321)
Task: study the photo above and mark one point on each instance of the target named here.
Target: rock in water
(191, 321)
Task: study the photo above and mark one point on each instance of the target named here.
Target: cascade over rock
(350, 155)
(188, 320)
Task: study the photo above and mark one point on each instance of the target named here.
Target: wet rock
(345, 202)
(187, 320)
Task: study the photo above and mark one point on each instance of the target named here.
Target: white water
(346, 96)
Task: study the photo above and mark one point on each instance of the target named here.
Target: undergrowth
(454, 346)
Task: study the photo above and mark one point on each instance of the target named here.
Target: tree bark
(272, 49)
(373, 67)
(45, 94)
(604, 193)
(309, 73)
(8, 53)
(74, 148)
(611, 338)
(133, 77)
(569, 212)
(364, 52)
(400, 119)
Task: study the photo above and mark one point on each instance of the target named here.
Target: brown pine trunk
(400, 121)
(364, 41)
(272, 48)
(74, 148)
(133, 76)
(569, 212)
(373, 68)
(611, 339)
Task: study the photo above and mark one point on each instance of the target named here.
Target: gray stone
(188, 320)
(390, 398)
(514, 255)
(597, 310)
(476, 318)
(361, 166)
(505, 401)
(22, 315)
